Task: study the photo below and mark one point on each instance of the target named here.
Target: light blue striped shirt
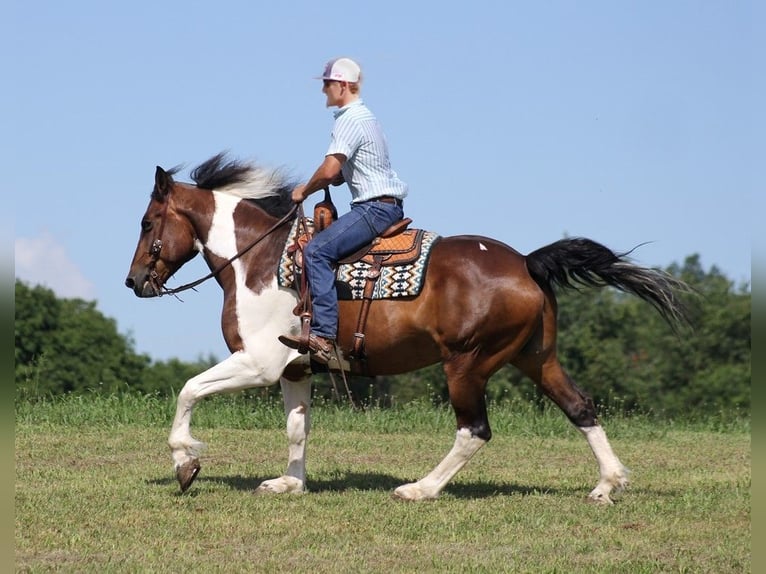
(357, 134)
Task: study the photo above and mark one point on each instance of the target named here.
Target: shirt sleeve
(344, 139)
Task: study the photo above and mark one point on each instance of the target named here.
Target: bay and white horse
(482, 305)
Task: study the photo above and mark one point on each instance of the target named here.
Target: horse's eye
(146, 225)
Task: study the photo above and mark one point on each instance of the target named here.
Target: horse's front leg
(297, 398)
(431, 485)
(238, 372)
(466, 390)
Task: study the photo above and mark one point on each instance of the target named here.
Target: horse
(482, 305)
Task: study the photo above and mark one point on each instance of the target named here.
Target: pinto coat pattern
(483, 305)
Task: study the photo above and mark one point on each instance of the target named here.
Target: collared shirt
(357, 134)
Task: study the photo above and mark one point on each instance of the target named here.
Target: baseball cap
(341, 70)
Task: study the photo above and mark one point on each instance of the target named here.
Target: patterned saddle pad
(396, 280)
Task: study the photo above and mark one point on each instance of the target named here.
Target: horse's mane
(270, 189)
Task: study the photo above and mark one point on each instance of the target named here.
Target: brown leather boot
(321, 348)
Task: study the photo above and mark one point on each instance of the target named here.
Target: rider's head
(341, 80)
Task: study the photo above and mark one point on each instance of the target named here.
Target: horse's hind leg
(579, 408)
(614, 476)
(466, 390)
(297, 398)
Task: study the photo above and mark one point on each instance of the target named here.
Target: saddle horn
(324, 212)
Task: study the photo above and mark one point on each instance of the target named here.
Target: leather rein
(156, 249)
(304, 304)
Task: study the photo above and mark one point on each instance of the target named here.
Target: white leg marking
(613, 475)
(297, 397)
(236, 373)
(261, 318)
(430, 486)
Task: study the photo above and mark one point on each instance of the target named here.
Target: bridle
(156, 249)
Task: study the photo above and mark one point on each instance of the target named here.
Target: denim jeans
(351, 232)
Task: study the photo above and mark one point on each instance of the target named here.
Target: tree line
(614, 346)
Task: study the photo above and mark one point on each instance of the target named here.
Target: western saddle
(397, 245)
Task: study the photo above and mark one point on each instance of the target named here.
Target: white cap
(341, 70)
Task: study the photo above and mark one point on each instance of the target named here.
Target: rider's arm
(329, 173)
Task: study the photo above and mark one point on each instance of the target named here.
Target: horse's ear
(162, 182)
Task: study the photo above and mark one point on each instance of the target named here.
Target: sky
(624, 122)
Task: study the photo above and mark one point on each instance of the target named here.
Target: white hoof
(609, 485)
(281, 485)
(413, 492)
(599, 497)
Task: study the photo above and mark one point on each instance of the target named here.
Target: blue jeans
(351, 232)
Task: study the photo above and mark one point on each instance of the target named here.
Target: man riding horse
(358, 155)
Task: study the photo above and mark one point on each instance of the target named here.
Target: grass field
(95, 492)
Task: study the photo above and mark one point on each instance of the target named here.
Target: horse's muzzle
(142, 288)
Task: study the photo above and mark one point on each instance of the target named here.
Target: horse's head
(166, 242)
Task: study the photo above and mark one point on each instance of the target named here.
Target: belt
(388, 199)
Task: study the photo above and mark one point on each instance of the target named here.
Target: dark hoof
(186, 473)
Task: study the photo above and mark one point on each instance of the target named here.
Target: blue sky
(622, 122)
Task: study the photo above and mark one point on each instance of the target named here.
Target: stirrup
(319, 352)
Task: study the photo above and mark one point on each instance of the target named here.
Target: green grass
(95, 492)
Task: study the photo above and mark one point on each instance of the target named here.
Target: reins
(157, 247)
(304, 304)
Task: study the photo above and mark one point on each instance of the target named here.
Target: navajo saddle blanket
(401, 273)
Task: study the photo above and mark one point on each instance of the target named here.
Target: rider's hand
(299, 193)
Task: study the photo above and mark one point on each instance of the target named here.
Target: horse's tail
(574, 261)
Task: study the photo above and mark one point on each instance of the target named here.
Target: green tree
(712, 367)
(168, 377)
(67, 345)
(615, 346)
(627, 357)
